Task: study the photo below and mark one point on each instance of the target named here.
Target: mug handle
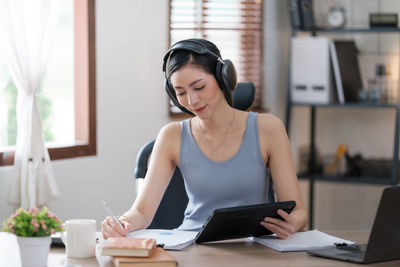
(64, 235)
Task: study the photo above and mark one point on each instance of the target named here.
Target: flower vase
(34, 250)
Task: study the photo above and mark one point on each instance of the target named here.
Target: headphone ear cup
(226, 75)
(169, 88)
(218, 72)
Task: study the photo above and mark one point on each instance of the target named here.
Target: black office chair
(170, 212)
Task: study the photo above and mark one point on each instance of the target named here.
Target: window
(235, 26)
(66, 99)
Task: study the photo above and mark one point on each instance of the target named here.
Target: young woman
(223, 153)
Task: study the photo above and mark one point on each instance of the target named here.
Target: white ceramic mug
(79, 238)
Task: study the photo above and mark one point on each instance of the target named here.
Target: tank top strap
(188, 144)
(251, 138)
(185, 128)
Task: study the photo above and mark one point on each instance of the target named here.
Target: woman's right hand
(109, 228)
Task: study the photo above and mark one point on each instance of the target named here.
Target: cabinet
(312, 174)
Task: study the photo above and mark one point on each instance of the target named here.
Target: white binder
(310, 70)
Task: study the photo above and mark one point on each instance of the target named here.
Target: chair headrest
(142, 159)
(243, 95)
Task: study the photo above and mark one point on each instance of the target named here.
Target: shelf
(351, 30)
(347, 105)
(314, 108)
(347, 179)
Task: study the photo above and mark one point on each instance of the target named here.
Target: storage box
(310, 70)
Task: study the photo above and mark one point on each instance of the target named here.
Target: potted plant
(33, 229)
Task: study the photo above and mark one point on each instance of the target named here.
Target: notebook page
(301, 241)
(171, 239)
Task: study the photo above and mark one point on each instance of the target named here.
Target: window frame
(84, 88)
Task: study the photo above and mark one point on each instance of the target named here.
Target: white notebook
(301, 241)
(168, 239)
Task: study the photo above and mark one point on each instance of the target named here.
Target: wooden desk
(239, 252)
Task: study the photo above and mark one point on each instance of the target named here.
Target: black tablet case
(242, 221)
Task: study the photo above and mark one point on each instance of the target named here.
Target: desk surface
(239, 252)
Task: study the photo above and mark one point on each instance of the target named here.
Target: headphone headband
(189, 45)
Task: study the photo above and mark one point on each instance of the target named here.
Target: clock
(336, 17)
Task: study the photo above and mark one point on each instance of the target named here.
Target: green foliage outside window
(45, 110)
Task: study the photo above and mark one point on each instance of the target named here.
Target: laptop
(384, 240)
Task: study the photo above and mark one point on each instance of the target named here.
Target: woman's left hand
(282, 228)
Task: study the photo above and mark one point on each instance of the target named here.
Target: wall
(276, 47)
(131, 37)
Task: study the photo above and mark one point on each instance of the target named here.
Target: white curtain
(26, 29)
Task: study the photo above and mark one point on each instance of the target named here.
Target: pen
(110, 213)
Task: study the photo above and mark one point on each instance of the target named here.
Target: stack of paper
(301, 241)
(168, 239)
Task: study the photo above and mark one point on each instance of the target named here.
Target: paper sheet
(301, 241)
(171, 239)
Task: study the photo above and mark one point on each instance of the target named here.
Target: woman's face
(197, 90)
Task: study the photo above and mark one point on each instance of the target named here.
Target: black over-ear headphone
(225, 72)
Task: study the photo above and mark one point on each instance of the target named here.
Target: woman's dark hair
(207, 62)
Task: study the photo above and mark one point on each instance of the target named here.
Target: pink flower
(52, 215)
(15, 215)
(35, 225)
(44, 227)
(52, 231)
(33, 211)
(12, 229)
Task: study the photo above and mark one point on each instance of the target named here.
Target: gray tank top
(240, 180)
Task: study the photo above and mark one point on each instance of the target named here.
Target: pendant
(214, 153)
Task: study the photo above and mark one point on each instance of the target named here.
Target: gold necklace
(214, 151)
